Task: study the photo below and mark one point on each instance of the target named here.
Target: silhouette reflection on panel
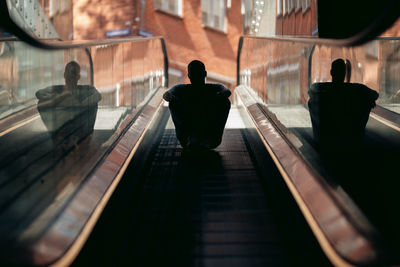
(340, 110)
(199, 110)
(69, 111)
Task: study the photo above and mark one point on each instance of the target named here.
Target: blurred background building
(207, 30)
(129, 71)
(280, 17)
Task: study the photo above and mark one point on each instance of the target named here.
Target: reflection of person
(339, 111)
(199, 110)
(69, 109)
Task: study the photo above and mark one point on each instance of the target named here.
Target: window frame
(164, 7)
(298, 5)
(286, 7)
(292, 4)
(305, 5)
(279, 8)
(210, 6)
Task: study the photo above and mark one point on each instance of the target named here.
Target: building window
(213, 13)
(288, 6)
(306, 4)
(58, 7)
(292, 4)
(298, 5)
(247, 12)
(170, 6)
(279, 7)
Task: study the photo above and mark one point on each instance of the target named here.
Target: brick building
(281, 17)
(101, 19)
(207, 30)
(286, 65)
(296, 17)
(48, 19)
(61, 16)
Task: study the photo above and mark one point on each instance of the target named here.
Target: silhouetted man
(69, 110)
(199, 110)
(339, 111)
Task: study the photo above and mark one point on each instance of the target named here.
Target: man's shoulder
(357, 87)
(178, 88)
(362, 88)
(49, 91)
(322, 84)
(215, 86)
(321, 87)
(53, 88)
(87, 88)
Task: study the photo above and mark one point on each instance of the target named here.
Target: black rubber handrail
(312, 40)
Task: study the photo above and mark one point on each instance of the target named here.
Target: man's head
(338, 70)
(72, 73)
(197, 72)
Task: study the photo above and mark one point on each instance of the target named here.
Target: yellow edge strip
(19, 125)
(331, 253)
(76, 247)
(384, 121)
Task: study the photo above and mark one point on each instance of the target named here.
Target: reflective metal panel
(60, 113)
(331, 123)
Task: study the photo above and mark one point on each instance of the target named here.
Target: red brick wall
(187, 39)
(63, 25)
(297, 23)
(93, 18)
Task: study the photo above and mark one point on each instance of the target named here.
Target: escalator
(361, 176)
(260, 198)
(224, 207)
(103, 181)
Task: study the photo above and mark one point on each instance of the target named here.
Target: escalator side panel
(330, 224)
(63, 239)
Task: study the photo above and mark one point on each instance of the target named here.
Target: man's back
(199, 110)
(196, 93)
(199, 113)
(340, 111)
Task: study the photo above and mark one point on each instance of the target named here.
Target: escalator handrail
(57, 44)
(313, 40)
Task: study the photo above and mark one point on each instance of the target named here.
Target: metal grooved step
(204, 209)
